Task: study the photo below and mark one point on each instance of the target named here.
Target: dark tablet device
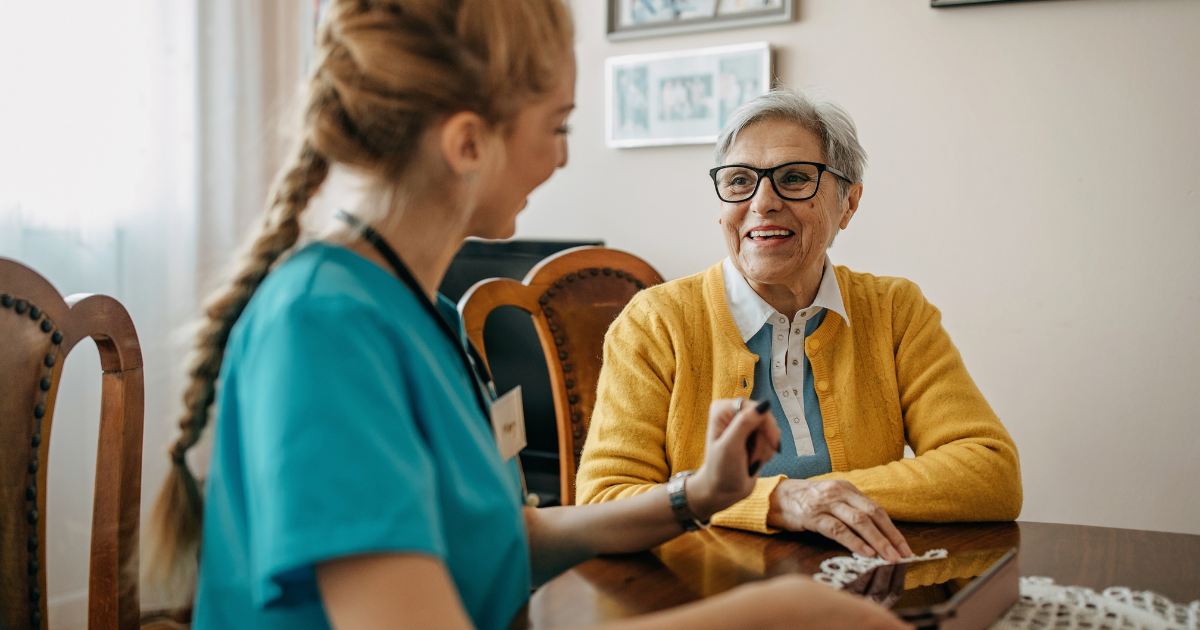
(962, 592)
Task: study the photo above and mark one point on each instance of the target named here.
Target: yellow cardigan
(892, 377)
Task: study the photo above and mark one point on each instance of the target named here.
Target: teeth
(766, 233)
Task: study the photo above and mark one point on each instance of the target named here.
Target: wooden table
(704, 563)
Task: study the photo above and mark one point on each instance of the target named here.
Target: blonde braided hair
(385, 72)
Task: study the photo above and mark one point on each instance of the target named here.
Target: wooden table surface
(704, 563)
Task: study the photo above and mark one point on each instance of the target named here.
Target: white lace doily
(842, 570)
(1045, 605)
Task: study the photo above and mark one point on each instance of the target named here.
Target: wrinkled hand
(791, 601)
(737, 445)
(836, 509)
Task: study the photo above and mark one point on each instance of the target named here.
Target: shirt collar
(750, 311)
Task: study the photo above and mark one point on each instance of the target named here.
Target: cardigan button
(814, 344)
(823, 385)
(833, 431)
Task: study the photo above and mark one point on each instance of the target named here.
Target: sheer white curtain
(137, 141)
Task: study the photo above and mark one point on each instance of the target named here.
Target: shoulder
(861, 282)
(686, 292)
(659, 319)
(665, 305)
(883, 303)
(330, 291)
(869, 296)
(858, 286)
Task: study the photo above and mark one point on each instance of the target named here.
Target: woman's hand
(836, 509)
(740, 440)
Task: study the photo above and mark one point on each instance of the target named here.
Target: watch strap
(679, 504)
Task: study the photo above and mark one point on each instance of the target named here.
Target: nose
(562, 151)
(765, 200)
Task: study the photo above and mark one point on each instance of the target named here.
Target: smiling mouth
(767, 235)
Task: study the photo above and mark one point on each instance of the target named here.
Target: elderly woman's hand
(836, 509)
(740, 440)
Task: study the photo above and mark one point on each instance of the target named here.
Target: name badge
(508, 423)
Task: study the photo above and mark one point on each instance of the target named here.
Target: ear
(852, 198)
(464, 140)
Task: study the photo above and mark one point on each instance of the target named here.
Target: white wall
(1032, 167)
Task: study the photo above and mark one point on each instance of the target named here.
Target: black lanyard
(469, 355)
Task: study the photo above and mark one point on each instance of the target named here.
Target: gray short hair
(826, 119)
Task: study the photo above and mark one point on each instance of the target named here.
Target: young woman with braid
(354, 480)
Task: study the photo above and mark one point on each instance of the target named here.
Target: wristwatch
(679, 503)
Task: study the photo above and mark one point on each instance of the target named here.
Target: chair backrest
(37, 330)
(573, 297)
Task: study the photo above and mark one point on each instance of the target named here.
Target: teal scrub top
(345, 425)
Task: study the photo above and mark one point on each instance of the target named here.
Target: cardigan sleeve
(966, 466)
(626, 452)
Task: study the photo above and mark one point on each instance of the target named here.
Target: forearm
(562, 537)
(738, 441)
(977, 480)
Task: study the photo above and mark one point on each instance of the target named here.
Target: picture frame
(680, 97)
(631, 19)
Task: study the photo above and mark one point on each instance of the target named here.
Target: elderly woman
(855, 366)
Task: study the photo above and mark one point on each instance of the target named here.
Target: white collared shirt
(750, 313)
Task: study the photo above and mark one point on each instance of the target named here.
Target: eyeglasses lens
(796, 181)
(736, 183)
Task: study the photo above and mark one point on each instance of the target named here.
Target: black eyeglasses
(794, 181)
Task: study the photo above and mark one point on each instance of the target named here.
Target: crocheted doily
(1046, 605)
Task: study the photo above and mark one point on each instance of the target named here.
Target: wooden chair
(573, 297)
(37, 330)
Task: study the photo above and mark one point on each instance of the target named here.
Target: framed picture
(681, 97)
(629, 19)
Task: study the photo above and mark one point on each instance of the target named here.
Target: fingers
(767, 442)
(882, 521)
(834, 529)
(720, 414)
(761, 442)
(864, 527)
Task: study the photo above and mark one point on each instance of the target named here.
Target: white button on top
(779, 337)
(785, 393)
(782, 320)
(795, 420)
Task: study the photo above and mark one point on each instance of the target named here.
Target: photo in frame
(680, 97)
(629, 19)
